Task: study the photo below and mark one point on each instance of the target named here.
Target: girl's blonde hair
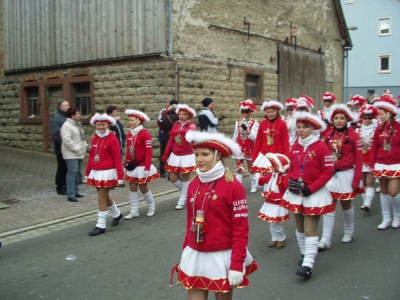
(228, 174)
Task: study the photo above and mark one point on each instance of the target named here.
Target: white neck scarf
(214, 173)
(136, 130)
(103, 134)
(311, 139)
(272, 184)
(367, 130)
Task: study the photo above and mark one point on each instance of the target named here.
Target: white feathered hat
(224, 145)
(313, 120)
(187, 108)
(341, 109)
(138, 114)
(102, 118)
(271, 104)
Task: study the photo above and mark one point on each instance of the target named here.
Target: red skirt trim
(102, 183)
(262, 171)
(299, 209)
(144, 179)
(343, 196)
(387, 174)
(273, 219)
(174, 169)
(212, 285)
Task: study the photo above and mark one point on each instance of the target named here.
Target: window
(384, 64)
(254, 88)
(30, 103)
(81, 96)
(32, 99)
(383, 26)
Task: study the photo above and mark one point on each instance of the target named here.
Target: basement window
(254, 89)
(81, 96)
(30, 104)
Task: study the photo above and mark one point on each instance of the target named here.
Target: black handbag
(130, 165)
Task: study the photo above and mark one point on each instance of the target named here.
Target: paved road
(134, 259)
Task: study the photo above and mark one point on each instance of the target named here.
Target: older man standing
(55, 126)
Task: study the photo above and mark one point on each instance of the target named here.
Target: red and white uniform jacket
(272, 136)
(139, 148)
(246, 138)
(177, 142)
(226, 217)
(346, 149)
(316, 161)
(388, 134)
(108, 149)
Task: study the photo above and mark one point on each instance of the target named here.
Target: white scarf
(311, 139)
(103, 134)
(136, 130)
(214, 173)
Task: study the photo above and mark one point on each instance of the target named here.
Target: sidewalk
(28, 196)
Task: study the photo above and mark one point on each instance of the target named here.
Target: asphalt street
(134, 260)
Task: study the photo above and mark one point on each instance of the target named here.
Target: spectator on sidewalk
(207, 120)
(55, 126)
(117, 128)
(166, 119)
(73, 149)
(104, 170)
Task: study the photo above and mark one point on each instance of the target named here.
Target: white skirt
(341, 182)
(212, 265)
(273, 213)
(387, 171)
(366, 169)
(138, 176)
(103, 178)
(183, 161)
(318, 203)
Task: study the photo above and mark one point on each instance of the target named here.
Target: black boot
(304, 272)
(97, 231)
(116, 220)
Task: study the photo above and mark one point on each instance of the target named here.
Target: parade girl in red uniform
(104, 170)
(272, 137)
(179, 155)
(368, 114)
(346, 148)
(272, 211)
(138, 163)
(215, 256)
(385, 160)
(245, 134)
(307, 196)
(357, 103)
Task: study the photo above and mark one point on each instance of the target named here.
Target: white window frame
(380, 57)
(380, 22)
(349, 2)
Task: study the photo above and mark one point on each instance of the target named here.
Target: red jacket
(382, 133)
(108, 149)
(351, 152)
(225, 215)
(177, 142)
(278, 130)
(142, 146)
(282, 185)
(318, 166)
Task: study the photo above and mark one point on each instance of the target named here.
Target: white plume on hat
(102, 118)
(202, 137)
(342, 108)
(271, 104)
(186, 108)
(137, 113)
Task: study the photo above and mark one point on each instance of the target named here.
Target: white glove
(120, 182)
(235, 278)
(146, 173)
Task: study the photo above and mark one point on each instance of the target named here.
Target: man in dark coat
(55, 125)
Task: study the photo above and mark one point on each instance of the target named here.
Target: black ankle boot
(97, 231)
